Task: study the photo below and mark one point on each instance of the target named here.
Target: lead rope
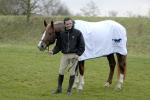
(72, 64)
(47, 48)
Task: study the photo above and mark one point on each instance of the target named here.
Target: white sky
(137, 7)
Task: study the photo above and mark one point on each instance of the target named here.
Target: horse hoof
(80, 87)
(117, 89)
(118, 86)
(79, 91)
(74, 86)
(107, 84)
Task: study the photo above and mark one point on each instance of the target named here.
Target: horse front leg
(76, 81)
(79, 77)
(112, 64)
(122, 70)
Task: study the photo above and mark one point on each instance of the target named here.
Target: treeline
(33, 7)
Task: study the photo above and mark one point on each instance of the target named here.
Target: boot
(60, 81)
(71, 81)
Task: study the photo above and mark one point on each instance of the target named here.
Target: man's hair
(68, 18)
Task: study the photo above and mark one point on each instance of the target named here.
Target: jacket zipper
(68, 43)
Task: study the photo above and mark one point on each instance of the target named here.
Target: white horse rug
(102, 38)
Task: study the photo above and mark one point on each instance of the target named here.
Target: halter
(47, 45)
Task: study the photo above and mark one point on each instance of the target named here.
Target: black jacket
(71, 41)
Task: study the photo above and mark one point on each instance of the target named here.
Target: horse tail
(125, 67)
(118, 71)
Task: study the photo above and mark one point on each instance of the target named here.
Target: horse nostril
(42, 46)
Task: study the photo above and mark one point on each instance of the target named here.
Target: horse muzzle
(41, 46)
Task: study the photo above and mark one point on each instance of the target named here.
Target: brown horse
(50, 34)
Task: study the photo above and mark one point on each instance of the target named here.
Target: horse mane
(58, 22)
(59, 25)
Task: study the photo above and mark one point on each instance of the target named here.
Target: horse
(92, 30)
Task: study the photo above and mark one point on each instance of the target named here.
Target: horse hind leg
(81, 78)
(112, 64)
(122, 70)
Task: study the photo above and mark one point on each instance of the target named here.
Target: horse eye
(50, 34)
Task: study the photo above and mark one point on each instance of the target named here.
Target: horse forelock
(48, 26)
(57, 27)
(58, 22)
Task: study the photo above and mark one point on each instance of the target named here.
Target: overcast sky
(137, 7)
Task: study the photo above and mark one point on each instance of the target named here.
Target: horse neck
(59, 27)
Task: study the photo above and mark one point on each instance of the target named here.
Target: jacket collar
(70, 30)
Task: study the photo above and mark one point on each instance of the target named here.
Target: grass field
(28, 74)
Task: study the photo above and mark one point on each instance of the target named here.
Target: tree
(29, 6)
(53, 7)
(148, 13)
(91, 9)
(130, 14)
(48, 6)
(18, 7)
(11, 7)
(61, 10)
(113, 13)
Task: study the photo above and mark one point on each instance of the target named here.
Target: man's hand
(76, 56)
(50, 52)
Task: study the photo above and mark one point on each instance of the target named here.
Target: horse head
(48, 37)
(50, 34)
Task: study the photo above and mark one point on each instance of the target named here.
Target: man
(71, 43)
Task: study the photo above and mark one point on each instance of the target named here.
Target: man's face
(68, 24)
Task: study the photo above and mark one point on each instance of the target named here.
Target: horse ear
(52, 24)
(45, 23)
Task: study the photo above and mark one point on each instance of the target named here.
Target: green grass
(28, 74)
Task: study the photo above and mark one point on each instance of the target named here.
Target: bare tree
(53, 7)
(113, 13)
(91, 9)
(11, 7)
(48, 6)
(148, 13)
(61, 10)
(18, 7)
(130, 14)
(29, 6)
